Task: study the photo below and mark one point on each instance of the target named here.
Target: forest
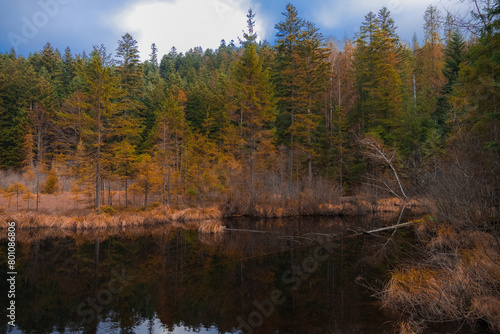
(257, 122)
(305, 126)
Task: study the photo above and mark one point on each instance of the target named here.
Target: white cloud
(184, 24)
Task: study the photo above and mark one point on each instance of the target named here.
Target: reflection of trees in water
(198, 280)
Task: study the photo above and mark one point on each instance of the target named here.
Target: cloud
(184, 24)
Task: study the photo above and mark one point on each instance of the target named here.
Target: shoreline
(116, 218)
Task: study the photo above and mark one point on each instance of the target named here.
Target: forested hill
(258, 116)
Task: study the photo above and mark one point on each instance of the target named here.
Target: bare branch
(378, 152)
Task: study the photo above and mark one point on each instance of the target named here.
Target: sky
(27, 25)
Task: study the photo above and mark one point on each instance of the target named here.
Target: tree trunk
(177, 169)
(168, 183)
(103, 192)
(110, 198)
(37, 186)
(126, 194)
(341, 155)
(163, 177)
(309, 168)
(98, 155)
(145, 195)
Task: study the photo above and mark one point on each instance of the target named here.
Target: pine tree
(454, 55)
(153, 57)
(147, 176)
(429, 63)
(100, 111)
(476, 96)
(286, 78)
(377, 77)
(255, 110)
(364, 65)
(131, 76)
(313, 80)
(342, 98)
(17, 84)
(169, 132)
(124, 159)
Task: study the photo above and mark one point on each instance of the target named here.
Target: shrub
(51, 185)
(108, 209)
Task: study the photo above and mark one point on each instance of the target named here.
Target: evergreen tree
(378, 79)
(99, 111)
(169, 132)
(153, 57)
(342, 98)
(17, 84)
(254, 104)
(286, 79)
(131, 75)
(454, 55)
(313, 79)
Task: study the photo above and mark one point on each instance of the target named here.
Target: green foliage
(378, 78)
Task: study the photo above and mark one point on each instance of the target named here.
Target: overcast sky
(27, 25)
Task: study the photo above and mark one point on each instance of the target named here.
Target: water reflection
(298, 277)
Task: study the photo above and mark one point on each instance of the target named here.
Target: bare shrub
(272, 198)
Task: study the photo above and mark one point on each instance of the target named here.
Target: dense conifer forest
(251, 121)
(304, 126)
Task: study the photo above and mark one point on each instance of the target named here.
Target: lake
(279, 276)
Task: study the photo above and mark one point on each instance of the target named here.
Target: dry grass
(273, 199)
(122, 219)
(197, 214)
(210, 226)
(459, 279)
(409, 327)
(487, 308)
(392, 204)
(309, 204)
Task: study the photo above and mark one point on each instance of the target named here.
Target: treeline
(194, 127)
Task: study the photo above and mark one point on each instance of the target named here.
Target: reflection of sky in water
(144, 328)
(159, 328)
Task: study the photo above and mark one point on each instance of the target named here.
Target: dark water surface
(295, 278)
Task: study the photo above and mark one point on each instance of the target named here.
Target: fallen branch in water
(387, 228)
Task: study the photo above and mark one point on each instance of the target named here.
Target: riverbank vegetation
(307, 126)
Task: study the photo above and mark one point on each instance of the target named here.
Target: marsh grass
(457, 280)
(309, 203)
(81, 221)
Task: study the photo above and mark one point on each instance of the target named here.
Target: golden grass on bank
(197, 214)
(459, 280)
(392, 204)
(308, 203)
(100, 221)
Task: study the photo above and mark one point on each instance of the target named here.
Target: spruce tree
(255, 110)
(286, 79)
(99, 106)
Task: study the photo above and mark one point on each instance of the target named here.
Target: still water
(296, 277)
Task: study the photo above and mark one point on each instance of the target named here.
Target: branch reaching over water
(378, 152)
